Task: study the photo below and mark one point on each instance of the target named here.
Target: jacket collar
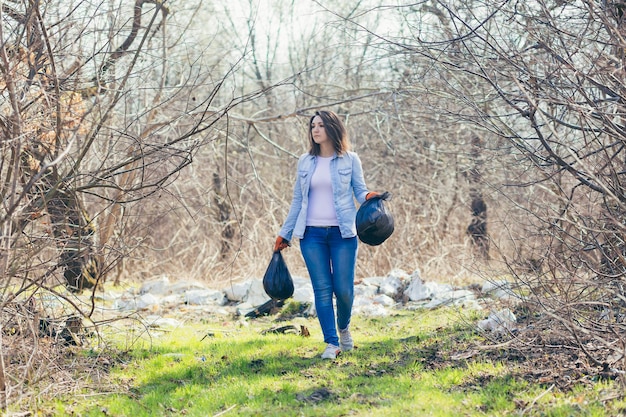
(312, 157)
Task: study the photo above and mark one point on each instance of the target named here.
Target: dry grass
(218, 231)
(38, 368)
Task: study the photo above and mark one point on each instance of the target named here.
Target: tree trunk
(477, 229)
(73, 233)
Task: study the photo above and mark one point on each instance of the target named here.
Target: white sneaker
(331, 352)
(345, 340)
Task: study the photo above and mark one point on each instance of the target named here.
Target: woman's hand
(385, 196)
(281, 244)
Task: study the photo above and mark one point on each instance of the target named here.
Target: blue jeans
(331, 261)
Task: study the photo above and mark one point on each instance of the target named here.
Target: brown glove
(281, 244)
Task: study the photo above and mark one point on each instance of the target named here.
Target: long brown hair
(335, 130)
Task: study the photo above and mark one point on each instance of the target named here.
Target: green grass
(402, 367)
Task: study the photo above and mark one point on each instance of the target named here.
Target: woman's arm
(294, 210)
(358, 181)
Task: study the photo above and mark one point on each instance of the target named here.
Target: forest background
(161, 137)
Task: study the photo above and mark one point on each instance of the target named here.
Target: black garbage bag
(374, 223)
(277, 280)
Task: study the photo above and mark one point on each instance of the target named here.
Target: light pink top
(321, 210)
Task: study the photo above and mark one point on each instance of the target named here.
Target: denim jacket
(346, 174)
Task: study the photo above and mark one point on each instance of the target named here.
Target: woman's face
(318, 131)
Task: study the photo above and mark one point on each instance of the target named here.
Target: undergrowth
(410, 363)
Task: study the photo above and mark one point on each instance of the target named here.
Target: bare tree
(101, 110)
(541, 85)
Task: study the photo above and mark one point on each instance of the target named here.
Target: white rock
(158, 321)
(182, 287)
(462, 295)
(499, 289)
(499, 321)
(300, 281)
(173, 300)
(204, 297)
(391, 285)
(304, 294)
(454, 297)
(360, 300)
(125, 303)
(436, 302)
(490, 286)
(417, 290)
(384, 300)
(244, 308)
(365, 290)
(372, 310)
(157, 286)
(237, 291)
(256, 293)
(400, 274)
(373, 281)
(147, 301)
(416, 275)
(303, 290)
(438, 290)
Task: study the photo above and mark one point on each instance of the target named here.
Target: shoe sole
(329, 357)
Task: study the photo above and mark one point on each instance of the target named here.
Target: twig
(221, 413)
(211, 333)
(537, 399)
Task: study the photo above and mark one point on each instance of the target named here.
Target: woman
(322, 216)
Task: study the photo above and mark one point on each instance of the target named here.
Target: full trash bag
(374, 222)
(277, 280)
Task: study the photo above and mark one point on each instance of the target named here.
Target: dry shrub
(218, 222)
(42, 359)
